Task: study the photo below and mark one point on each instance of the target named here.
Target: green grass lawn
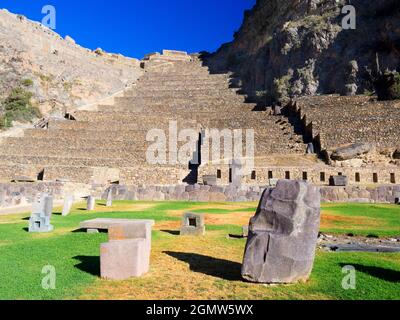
(361, 219)
(185, 267)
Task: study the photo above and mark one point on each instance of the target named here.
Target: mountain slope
(62, 72)
(288, 48)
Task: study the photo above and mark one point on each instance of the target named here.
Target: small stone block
(134, 230)
(338, 181)
(210, 180)
(193, 225)
(122, 259)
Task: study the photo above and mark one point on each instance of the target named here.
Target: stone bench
(95, 225)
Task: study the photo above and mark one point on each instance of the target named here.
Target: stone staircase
(110, 144)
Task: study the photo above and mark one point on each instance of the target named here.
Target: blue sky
(137, 27)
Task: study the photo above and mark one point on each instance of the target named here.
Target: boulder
(283, 234)
(350, 152)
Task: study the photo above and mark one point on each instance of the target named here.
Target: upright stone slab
(91, 203)
(236, 172)
(109, 198)
(283, 234)
(193, 224)
(310, 148)
(68, 202)
(41, 214)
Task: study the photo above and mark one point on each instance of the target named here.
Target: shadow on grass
(236, 236)
(173, 232)
(224, 269)
(79, 231)
(89, 264)
(377, 272)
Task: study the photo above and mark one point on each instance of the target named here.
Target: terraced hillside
(336, 121)
(110, 144)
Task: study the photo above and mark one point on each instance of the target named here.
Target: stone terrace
(110, 144)
(338, 121)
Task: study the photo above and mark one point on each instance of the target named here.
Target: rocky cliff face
(288, 48)
(62, 73)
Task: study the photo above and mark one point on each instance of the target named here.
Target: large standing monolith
(283, 234)
(236, 172)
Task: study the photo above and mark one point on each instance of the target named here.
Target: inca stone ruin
(178, 92)
(186, 174)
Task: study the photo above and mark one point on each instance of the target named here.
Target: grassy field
(190, 268)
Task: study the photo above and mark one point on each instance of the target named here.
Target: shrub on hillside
(387, 85)
(18, 107)
(27, 83)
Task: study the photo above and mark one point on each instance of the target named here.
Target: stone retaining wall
(202, 193)
(315, 174)
(20, 194)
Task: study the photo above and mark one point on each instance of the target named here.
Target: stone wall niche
(283, 234)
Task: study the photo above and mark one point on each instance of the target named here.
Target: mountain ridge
(294, 48)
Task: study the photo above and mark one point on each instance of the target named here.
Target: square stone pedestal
(123, 259)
